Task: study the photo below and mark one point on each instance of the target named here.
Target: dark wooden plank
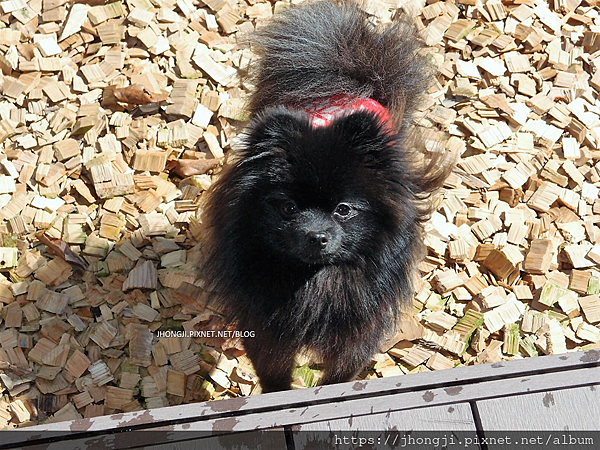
(325, 394)
(456, 417)
(259, 440)
(566, 409)
(160, 440)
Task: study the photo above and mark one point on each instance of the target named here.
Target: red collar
(324, 110)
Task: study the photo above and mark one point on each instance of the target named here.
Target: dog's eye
(343, 210)
(289, 209)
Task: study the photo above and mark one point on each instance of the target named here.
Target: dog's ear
(274, 129)
(361, 129)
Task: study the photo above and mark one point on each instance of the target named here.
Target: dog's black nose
(317, 239)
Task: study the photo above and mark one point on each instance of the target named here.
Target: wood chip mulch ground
(115, 117)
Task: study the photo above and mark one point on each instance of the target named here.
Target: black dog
(312, 235)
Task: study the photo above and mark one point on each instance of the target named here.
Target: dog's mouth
(314, 260)
(317, 258)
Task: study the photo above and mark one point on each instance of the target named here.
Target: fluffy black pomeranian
(312, 234)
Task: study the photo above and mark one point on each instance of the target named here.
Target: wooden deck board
(516, 390)
(564, 409)
(333, 393)
(457, 416)
(423, 398)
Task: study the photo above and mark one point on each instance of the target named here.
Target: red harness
(324, 110)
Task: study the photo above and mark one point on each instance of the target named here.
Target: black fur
(311, 236)
(322, 49)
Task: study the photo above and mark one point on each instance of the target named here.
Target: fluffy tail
(320, 49)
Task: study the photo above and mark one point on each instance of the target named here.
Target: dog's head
(321, 195)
